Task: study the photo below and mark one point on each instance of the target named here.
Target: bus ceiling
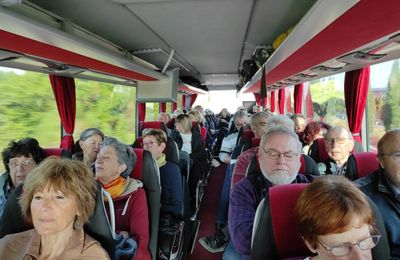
(125, 41)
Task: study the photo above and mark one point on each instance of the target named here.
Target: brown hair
(159, 134)
(71, 177)
(328, 205)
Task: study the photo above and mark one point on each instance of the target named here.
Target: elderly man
(339, 144)
(90, 141)
(279, 159)
(383, 187)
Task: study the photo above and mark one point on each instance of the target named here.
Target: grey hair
(239, 114)
(280, 130)
(124, 154)
(89, 132)
(256, 117)
(280, 120)
(335, 128)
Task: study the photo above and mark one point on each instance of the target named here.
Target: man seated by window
(90, 141)
(279, 159)
(383, 187)
(338, 144)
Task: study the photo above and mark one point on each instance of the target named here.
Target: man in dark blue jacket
(383, 187)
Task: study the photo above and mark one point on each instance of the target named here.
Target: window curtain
(289, 107)
(193, 98)
(309, 107)
(183, 101)
(298, 99)
(355, 96)
(281, 101)
(141, 108)
(163, 107)
(273, 101)
(64, 93)
(257, 98)
(174, 106)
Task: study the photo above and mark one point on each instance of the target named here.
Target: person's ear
(163, 145)
(81, 144)
(380, 160)
(313, 250)
(122, 168)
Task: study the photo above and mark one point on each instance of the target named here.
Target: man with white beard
(279, 160)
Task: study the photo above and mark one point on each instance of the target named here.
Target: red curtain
(309, 108)
(141, 108)
(193, 98)
(64, 93)
(298, 99)
(174, 106)
(163, 107)
(273, 101)
(281, 101)
(257, 98)
(183, 101)
(355, 96)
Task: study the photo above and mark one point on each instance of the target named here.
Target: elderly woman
(58, 198)
(313, 131)
(19, 158)
(335, 220)
(114, 163)
(155, 141)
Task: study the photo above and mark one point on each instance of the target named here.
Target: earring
(77, 223)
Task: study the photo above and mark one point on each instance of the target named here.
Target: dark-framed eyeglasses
(274, 155)
(394, 155)
(345, 249)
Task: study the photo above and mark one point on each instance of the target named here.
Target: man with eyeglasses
(90, 141)
(19, 158)
(279, 159)
(339, 144)
(383, 187)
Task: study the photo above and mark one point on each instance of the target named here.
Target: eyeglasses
(345, 249)
(149, 144)
(339, 140)
(274, 155)
(25, 163)
(395, 155)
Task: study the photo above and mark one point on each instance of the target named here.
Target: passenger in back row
(383, 187)
(19, 158)
(90, 141)
(114, 164)
(339, 144)
(279, 159)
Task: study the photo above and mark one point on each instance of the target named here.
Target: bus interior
(174, 51)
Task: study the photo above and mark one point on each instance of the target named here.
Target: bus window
(383, 100)
(106, 106)
(27, 108)
(328, 100)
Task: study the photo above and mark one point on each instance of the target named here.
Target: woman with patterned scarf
(114, 163)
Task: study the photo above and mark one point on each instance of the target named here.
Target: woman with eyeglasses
(19, 158)
(114, 164)
(335, 220)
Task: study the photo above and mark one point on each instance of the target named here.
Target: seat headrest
(152, 124)
(56, 152)
(247, 135)
(255, 141)
(282, 200)
(137, 169)
(366, 163)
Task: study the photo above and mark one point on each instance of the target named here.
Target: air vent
(323, 68)
(360, 58)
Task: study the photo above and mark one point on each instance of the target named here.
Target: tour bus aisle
(208, 211)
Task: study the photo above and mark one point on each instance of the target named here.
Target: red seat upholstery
(147, 171)
(255, 141)
(247, 135)
(274, 222)
(152, 124)
(361, 164)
